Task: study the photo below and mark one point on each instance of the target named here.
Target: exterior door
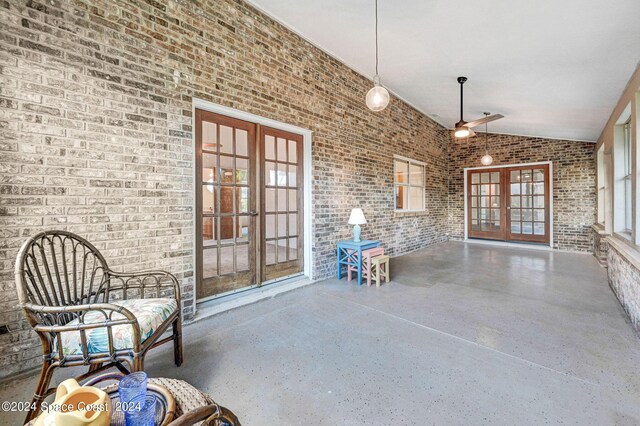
(225, 203)
(509, 203)
(528, 204)
(281, 201)
(485, 204)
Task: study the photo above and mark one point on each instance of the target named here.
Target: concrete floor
(464, 334)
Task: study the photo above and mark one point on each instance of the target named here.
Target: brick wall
(96, 136)
(624, 279)
(574, 181)
(600, 245)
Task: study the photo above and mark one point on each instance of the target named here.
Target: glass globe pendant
(486, 160)
(378, 97)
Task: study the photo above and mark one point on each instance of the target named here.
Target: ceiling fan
(464, 129)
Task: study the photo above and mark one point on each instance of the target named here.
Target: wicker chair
(209, 415)
(88, 314)
(194, 407)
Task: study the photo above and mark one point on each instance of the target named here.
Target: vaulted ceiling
(552, 68)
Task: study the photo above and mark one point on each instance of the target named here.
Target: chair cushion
(151, 313)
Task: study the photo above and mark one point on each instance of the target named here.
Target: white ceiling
(553, 68)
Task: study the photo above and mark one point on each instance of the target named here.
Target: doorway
(249, 208)
(511, 203)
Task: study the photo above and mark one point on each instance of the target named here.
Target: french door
(248, 204)
(282, 183)
(509, 203)
(487, 215)
(528, 209)
(225, 203)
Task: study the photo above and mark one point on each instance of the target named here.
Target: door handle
(254, 213)
(508, 207)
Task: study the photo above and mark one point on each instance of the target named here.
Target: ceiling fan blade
(488, 119)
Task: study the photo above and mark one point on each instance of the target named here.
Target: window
(601, 186)
(622, 208)
(626, 131)
(408, 184)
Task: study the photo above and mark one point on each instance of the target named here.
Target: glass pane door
(281, 201)
(225, 203)
(509, 203)
(528, 204)
(485, 204)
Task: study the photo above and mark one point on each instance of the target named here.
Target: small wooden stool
(367, 255)
(380, 269)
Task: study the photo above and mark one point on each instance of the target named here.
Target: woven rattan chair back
(58, 268)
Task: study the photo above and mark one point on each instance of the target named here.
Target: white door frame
(306, 160)
(501, 166)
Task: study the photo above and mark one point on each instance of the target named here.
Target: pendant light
(378, 97)
(486, 159)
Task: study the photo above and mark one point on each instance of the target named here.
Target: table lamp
(357, 219)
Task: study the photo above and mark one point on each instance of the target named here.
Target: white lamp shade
(357, 217)
(461, 132)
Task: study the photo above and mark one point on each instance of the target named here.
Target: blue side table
(350, 254)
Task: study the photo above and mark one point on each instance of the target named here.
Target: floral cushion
(151, 313)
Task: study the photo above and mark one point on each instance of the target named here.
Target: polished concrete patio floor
(464, 334)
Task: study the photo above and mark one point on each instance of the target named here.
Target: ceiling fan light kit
(463, 132)
(378, 97)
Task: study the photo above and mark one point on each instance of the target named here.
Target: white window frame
(623, 164)
(409, 184)
(602, 173)
(627, 145)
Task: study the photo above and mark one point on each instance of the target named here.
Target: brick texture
(96, 135)
(624, 279)
(600, 246)
(574, 182)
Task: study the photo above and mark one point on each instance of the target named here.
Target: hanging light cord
(486, 135)
(376, 37)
